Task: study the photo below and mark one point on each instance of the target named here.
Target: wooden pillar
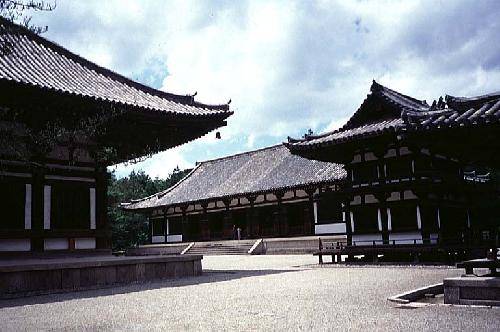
(382, 198)
(280, 216)
(184, 221)
(166, 230)
(227, 228)
(347, 213)
(252, 230)
(309, 222)
(150, 230)
(204, 229)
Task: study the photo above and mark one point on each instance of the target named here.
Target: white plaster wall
(370, 199)
(288, 194)
(406, 237)
(92, 208)
(390, 153)
(367, 239)
(369, 156)
(27, 207)
(356, 200)
(395, 196)
(55, 244)
(434, 238)
(158, 239)
(408, 194)
(46, 206)
(356, 158)
(338, 228)
(404, 151)
(85, 243)
(15, 245)
(174, 238)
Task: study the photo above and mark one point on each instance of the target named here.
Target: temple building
(63, 120)
(266, 193)
(418, 175)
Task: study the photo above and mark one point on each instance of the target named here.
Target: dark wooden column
(281, 220)
(227, 228)
(37, 209)
(184, 221)
(150, 230)
(348, 228)
(309, 225)
(165, 226)
(252, 227)
(382, 198)
(204, 229)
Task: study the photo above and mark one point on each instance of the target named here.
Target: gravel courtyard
(254, 293)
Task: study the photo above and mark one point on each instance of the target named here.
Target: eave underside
(132, 132)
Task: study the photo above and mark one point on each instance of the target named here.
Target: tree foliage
(131, 229)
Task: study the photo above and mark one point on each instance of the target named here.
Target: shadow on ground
(208, 276)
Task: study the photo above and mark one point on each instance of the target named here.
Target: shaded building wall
(53, 205)
(274, 214)
(403, 195)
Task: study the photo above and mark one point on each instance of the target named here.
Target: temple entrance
(216, 225)
(296, 219)
(239, 219)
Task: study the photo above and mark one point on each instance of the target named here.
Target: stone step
(221, 248)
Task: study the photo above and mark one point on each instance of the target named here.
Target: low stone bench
(41, 276)
(472, 291)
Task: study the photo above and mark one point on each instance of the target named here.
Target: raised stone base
(472, 291)
(41, 276)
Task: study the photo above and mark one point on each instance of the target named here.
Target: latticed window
(364, 172)
(175, 225)
(403, 217)
(398, 168)
(365, 219)
(70, 206)
(158, 227)
(329, 210)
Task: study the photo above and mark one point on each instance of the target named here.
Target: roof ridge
(183, 99)
(379, 87)
(233, 156)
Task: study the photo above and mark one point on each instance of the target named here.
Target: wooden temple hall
(418, 175)
(63, 120)
(266, 193)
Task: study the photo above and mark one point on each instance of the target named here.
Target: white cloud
(287, 65)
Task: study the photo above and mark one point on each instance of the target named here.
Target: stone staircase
(235, 247)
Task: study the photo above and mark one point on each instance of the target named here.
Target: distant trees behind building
(129, 229)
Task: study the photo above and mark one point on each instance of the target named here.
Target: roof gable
(382, 104)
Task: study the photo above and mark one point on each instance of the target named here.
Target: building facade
(417, 174)
(265, 193)
(63, 120)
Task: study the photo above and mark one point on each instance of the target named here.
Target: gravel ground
(255, 293)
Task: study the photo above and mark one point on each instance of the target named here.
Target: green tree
(131, 229)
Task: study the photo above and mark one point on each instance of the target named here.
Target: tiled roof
(339, 136)
(35, 61)
(393, 101)
(264, 170)
(484, 113)
(369, 120)
(408, 114)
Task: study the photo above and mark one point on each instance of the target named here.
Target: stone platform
(25, 277)
(472, 290)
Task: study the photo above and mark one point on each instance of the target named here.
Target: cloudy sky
(287, 65)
